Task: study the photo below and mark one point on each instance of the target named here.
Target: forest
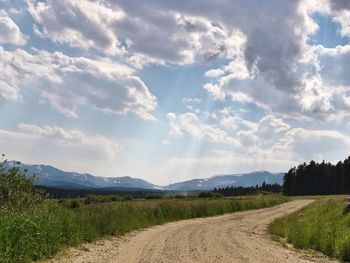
(318, 179)
(249, 190)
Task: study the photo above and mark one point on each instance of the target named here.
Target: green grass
(41, 234)
(321, 226)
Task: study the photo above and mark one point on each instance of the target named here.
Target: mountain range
(50, 176)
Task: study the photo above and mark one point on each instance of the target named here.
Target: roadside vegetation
(34, 227)
(323, 226)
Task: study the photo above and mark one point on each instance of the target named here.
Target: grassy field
(323, 226)
(54, 226)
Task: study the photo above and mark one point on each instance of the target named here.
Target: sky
(169, 90)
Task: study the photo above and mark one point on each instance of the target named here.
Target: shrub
(180, 196)
(209, 195)
(128, 197)
(74, 204)
(153, 196)
(17, 192)
(114, 198)
(91, 199)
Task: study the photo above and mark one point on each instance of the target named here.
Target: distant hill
(53, 177)
(220, 181)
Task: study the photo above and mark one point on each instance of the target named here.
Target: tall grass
(31, 236)
(322, 226)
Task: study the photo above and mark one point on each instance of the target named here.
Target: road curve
(237, 237)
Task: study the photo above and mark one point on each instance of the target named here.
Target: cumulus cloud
(291, 147)
(66, 148)
(214, 73)
(340, 11)
(340, 4)
(230, 120)
(117, 28)
(271, 44)
(275, 139)
(270, 139)
(83, 24)
(310, 144)
(344, 20)
(264, 52)
(188, 123)
(185, 39)
(67, 83)
(9, 31)
(271, 144)
(293, 79)
(321, 94)
(326, 84)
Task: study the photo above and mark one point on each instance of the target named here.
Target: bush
(128, 197)
(346, 209)
(114, 198)
(180, 196)
(17, 192)
(209, 195)
(153, 196)
(74, 204)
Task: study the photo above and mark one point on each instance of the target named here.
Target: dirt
(237, 237)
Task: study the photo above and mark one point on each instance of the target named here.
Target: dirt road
(237, 237)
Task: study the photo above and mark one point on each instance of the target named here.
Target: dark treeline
(59, 193)
(241, 190)
(318, 179)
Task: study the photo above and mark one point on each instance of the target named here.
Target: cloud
(83, 24)
(164, 142)
(338, 10)
(296, 80)
(271, 144)
(260, 33)
(326, 83)
(232, 121)
(288, 147)
(186, 100)
(9, 31)
(344, 20)
(116, 28)
(188, 123)
(270, 139)
(339, 5)
(186, 39)
(310, 144)
(264, 53)
(214, 73)
(277, 140)
(255, 91)
(67, 83)
(322, 92)
(266, 48)
(71, 149)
